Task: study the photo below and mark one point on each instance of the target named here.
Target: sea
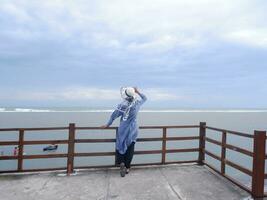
(243, 120)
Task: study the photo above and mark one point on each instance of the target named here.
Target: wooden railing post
(20, 153)
(202, 134)
(163, 155)
(223, 152)
(71, 148)
(258, 164)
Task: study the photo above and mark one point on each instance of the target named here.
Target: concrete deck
(190, 182)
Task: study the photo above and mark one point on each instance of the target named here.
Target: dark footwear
(122, 169)
(127, 170)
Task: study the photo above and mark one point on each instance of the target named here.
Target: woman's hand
(104, 126)
(136, 90)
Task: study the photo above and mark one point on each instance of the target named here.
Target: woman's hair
(130, 99)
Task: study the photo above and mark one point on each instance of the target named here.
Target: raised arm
(143, 97)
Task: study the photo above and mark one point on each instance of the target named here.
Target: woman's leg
(129, 155)
(119, 158)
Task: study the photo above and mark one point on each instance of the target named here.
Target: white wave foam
(29, 110)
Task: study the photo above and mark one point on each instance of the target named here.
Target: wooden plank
(34, 129)
(229, 146)
(141, 127)
(238, 167)
(35, 142)
(160, 127)
(182, 162)
(44, 169)
(153, 139)
(258, 164)
(182, 150)
(202, 135)
(3, 143)
(94, 154)
(9, 129)
(94, 140)
(148, 152)
(230, 163)
(212, 155)
(95, 128)
(213, 141)
(71, 148)
(163, 155)
(20, 154)
(238, 149)
(231, 132)
(149, 139)
(183, 138)
(223, 152)
(46, 129)
(40, 156)
(8, 157)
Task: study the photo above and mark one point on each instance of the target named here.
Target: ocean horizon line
(70, 109)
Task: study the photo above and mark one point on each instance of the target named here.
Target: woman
(128, 129)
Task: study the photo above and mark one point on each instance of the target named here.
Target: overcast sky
(182, 54)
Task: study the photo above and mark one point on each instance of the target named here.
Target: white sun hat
(128, 92)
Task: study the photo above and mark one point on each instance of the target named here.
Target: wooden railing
(258, 154)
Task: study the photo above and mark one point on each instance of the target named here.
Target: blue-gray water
(234, 120)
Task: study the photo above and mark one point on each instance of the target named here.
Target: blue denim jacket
(128, 129)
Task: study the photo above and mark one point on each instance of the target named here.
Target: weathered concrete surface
(189, 182)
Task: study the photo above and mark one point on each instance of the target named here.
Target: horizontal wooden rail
(35, 170)
(34, 129)
(231, 147)
(35, 142)
(9, 143)
(141, 127)
(169, 127)
(37, 156)
(229, 178)
(8, 157)
(257, 173)
(40, 156)
(183, 138)
(238, 167)
(93, 140)
(230, 163)
(213, 155)
(238, 149)
(231, 132)
(182, 150)
(138, 140)
(137, 152)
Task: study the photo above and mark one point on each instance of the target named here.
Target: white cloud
(256, 37)
(142, 24)
(85, 93)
